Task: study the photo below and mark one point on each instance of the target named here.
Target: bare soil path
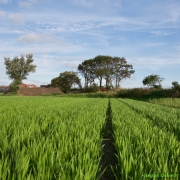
(109, 160)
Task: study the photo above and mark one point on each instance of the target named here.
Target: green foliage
(157, 86)
(170, 102)
(111, 69)
(60, 138)
(66, 80)
(146, 139)
(18, 69)
(146, 93)
(55, 82)
(153, 81)
(50, 138)
(14, 86)
(176, 86)
(86, 69)
(93, 88)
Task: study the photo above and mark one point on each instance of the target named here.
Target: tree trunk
(100, 82)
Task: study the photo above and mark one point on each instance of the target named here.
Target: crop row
(50, 138)
(164, 117)
(171, 102)
(143, 149)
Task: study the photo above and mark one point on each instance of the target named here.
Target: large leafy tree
(107, 68)
(102, 69)
(55, 82)
(18, 68)
(99, 69)
(153, 81)
(66, 80)
(121, 70)
(86, 69)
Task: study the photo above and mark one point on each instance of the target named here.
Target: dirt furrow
(109, 162)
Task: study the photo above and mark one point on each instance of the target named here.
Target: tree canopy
(111, 69)
(153, 81)
(176, 85)
(18, 68)
(66, 80)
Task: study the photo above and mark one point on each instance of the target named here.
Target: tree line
(110, 69)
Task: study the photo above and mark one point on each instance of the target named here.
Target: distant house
(4, 88)
(7, 88)
(28, 86)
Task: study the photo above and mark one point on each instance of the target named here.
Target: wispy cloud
(36, 43)
(2, 13)
(98, 4)
(161, 33)
(16, 18)
(156, 44)
(154, 63)
(70, 65)
(5, 1)
(26, 4)
(174, 12)
(34, 37)
(84, 2)
(61, 34)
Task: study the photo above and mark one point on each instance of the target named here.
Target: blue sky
(62, 34)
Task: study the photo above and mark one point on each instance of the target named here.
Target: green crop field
(50, 138)
(61, 138)
(147, 139)
(171, 102)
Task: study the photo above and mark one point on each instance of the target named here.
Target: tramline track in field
(109, 163)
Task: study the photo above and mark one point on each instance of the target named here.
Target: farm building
(4, 88)
(28, 86)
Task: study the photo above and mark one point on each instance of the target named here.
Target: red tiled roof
(4, 86)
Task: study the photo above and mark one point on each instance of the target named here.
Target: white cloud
(173, 12)
(160, 33)
(43, 48)
(154, 63)
(39, 43)
(26, 4)
(106, 3)
(5, 1)
(2, 13)
(70, 65)
(84, 2)
(153, 44)
(17, 31)
(30, 38)
(16, 18)
(34, 37)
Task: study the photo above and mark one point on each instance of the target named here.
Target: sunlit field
(61, 138)
(171, 102)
